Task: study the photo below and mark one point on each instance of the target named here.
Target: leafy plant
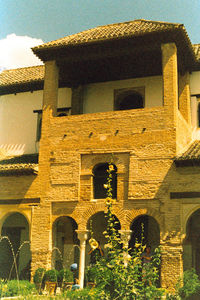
(65, 275)
(15, 288)
(90, 274)
(187, 286)
(84, 294)
(51, 275)
(121, 275)
(38, 276)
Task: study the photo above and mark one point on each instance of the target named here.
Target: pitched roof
(191, 156)
(196, 48)
(21, 75)
(19, 165)
(31, 78)
(111, 31)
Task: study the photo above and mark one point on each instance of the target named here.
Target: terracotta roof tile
(20, 165)
(22, 75)
(196, 48)
(190, 156)
(112, 31)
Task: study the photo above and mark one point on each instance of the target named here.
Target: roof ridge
(160, 22)
(104, 27)
(22, 68)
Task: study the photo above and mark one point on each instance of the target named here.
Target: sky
(27, 23)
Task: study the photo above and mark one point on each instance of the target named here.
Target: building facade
(125, 94)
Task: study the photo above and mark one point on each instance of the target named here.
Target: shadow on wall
(7, 150)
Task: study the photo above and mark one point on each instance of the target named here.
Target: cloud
(15, 52)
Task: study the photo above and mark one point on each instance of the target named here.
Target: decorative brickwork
(141, 143)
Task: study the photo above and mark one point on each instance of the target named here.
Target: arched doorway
(65, 243)
(191, 246)
(147, 227)
(98, 224)
(15, 240)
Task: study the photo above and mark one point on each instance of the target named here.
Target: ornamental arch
(97, 224)
(96, 208)
(135, 213)
(7, 214)
(145, 229)
(187, 216)
(65, 243)
(191, 244)
(15, 243)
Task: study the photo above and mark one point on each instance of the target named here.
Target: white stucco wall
(99, 97)
(18, 123)
(195, 83)
(195, 90)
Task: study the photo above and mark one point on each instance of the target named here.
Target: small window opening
(130, 101)
(62, 115)
(100, 172)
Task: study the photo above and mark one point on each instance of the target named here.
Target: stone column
(82, 236)
(41, 227)
(170, 82)
(184, 97)
(125, 237)
(50, 94)
(77, 100)
(41, 242)
(48, 111)
(171, 265)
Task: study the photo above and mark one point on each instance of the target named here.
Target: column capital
(125, 236)
(82, 234)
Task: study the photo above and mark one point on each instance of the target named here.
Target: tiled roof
(196, 48)
(112, 31)
(19, 165)
(191, 156)
(22, 75)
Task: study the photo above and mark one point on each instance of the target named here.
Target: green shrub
(187, 287)
(38, 276)
(90, 274)
(191, 285)
(51, 275)
(65, 275)
(16, 288)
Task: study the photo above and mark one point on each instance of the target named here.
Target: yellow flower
(93, 243)
(136, 260)
(107, 246)
(108, 201)
(105, 186)
(111, 168)
(137, 245)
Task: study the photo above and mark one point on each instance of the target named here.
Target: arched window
(62, 115)
(100, 173)
(129, 99)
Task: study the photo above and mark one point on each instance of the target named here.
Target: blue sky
(46, 20)
(51, 19)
